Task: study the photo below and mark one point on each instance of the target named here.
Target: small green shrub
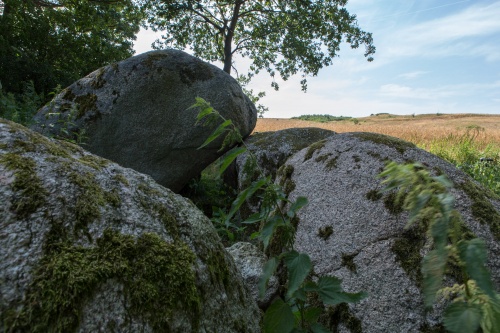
(22, 107)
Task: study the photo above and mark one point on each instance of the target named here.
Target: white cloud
(456, 34)
(437, 93)
(395, 90)
(412, 75)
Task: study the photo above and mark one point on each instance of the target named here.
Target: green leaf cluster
(280, 37)
(428, 200)
(20, 107)
(93, 33)
(295, 313)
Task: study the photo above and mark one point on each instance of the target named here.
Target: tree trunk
(6, 8)
(228, 41)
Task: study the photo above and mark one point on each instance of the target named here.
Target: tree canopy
(55, 42)
(282, 37)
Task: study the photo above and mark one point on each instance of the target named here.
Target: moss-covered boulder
(90, 246)
(136, 113)
(353, 232)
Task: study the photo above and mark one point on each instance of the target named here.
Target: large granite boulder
(89, 246)
(352, 232)
(136, 113)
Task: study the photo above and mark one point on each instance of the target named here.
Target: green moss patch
(88, 201)
(285, 178)
(69, 147)
(85, 103)
(99, 81)
(348, 262)
(94, 161)
(157, 278)
(30, 193)
(408, 247)
(323, 158)
(69, 95)
(332, 163)
(374, 195)
(113, 198)
(216, 262)
(31, 142)
(407, 250)
(325, 232)
(481, 207)
(157, 209)
(122, 179)
(394, 206)
(400, 145)
(313, 148)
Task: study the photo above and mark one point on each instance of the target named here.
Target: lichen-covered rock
(250, 262)
(352, 232)
(89, 246)
(271, 150)
(136, 113)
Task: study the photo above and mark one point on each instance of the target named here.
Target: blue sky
(433, 56)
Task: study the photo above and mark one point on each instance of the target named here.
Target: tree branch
(228, 55)
(207, 19)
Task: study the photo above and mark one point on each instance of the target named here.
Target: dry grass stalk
(424, 130)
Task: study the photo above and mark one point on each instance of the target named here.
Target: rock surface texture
(352, 232)
(271, 150)
(136, 113)
(89, 246)
(250, 262)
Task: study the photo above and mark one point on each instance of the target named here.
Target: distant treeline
(322, 118)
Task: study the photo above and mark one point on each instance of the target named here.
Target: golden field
(422, 130)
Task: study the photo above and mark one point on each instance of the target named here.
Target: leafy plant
(294, 311)
(94, 33)
(65, 125)
(21, 107)
(428, 200)
(280, 37)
